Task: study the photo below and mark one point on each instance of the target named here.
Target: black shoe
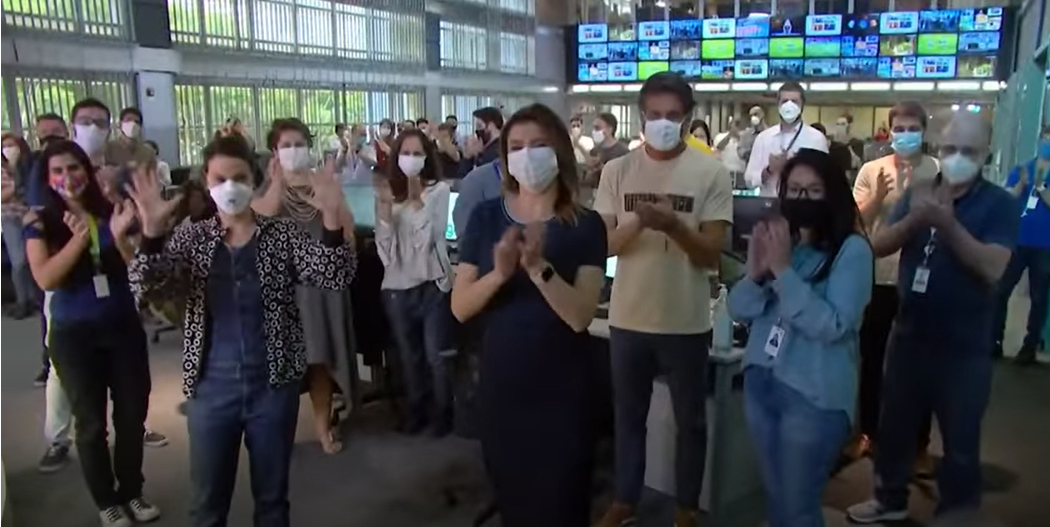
(1026, 356)
(56, 457)
(41, 378)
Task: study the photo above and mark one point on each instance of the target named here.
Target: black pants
(874, 334)
(97, 361)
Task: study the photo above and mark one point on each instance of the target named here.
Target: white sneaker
(142, 510)
(872, 511)
(114, 517)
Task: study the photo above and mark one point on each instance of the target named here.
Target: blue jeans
(1037, 262)
(924, 375)
(797, 443)
(637, 359)
(21, 275)
(227, 406)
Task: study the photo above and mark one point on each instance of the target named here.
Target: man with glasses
(955, 235)
(1027, 183)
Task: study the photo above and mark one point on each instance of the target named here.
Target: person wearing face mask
(775, 145)
(90, 118)
(16, 166)
(606, 148)
(326, 315)
(412, 213)
(77, 245)
(843, 133)
(1027, 183)
(878, 189)
(482, 147)
(699, 136)
(353, 159)
(532, 266)
(666, 208)
(809, 277)
(727, 148)
(447, 151)
(378, 152)
(955, 235)
(244, 354)
(755, 125)
(129, 147)
(581, 144)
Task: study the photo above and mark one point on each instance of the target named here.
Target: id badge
(101, 286)
(1033, 202)
(774, 341)
(922, 279)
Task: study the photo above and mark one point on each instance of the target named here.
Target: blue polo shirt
(1035, 223)
(958, 305)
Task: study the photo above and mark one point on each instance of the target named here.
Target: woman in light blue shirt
(809, 278)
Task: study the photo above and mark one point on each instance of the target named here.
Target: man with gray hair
(955, 234)
(752, 128)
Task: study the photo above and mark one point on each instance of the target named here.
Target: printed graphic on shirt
(679, 203)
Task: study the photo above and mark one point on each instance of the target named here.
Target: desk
(732, 483)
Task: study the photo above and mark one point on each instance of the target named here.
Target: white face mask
(12, 153)
(789, 111)
(411, 165)
(958, 168)
(598, 136)
(663, 134)
(231, 197)
(130, 129)
(294, 158)
(534, 168)
(755, 120)
(91, 138)
(384, 131)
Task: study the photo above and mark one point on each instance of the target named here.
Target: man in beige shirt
(128, 146)
(880, 184)
(666, 208)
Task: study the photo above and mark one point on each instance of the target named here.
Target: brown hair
(430, 174)
(290, 124)
(568, 182)
(908, 109)
(23, 147)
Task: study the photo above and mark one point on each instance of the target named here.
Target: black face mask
(44, 141)
(805, 213)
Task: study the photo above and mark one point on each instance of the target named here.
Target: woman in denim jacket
(809, 278)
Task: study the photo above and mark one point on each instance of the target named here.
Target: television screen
(976, 66)
(592, 33)
(648, 69)
(685, 50)
(896, 45)
(787, 26)
(623, 51)
(751, 69)
(786, 68)
(899, 23)
(823, 68)
(938, 44)
(824, 25)
(786, 48)
(752, 47)
(623, 32)
(981, 19)
(861, 25)
(593, 52)
(979, 42)
(593, 71)
(855, 46)
(938, 21)
(860, 68)
(685, 29)
(935, 68)
(719, 28)
(718, 49)
(896, 67)
(823, 47)
(658, 30)
(752, 27)
(686, 68)
(654, 50)
(623, 71)
(717, 70)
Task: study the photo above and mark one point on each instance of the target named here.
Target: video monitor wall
(924, 45)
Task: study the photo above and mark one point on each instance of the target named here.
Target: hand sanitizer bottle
(723, 323)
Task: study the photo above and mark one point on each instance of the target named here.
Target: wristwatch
(546, 273)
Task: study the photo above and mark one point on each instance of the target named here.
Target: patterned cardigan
(177, 268)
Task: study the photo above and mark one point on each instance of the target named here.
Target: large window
(463, 105)
(57, 93)
(99, 18)
(202, 108)
(463, 46)
(301, 27)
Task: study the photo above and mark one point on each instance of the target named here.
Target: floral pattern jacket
(177, 268)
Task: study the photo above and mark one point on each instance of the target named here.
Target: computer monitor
(450, 226)
(748, 211)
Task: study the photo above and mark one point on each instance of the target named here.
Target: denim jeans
(421, 320)
(231, 404)
(1037, 262)
(637, 359)
(923, 374)
(21, 275)
(797, 443)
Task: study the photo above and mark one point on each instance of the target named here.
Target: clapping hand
(658, 215)
(882, 184)
(124, 214)
(776, 163)
(776, 244)
(931, 204)
(77, 226)
(532, 248)
(507, 253)
(415, 190)
(327, 193)
(384, 194)
(756, 252)
(153, 210)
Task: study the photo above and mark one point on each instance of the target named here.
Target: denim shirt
(818, 356)
(237, 335)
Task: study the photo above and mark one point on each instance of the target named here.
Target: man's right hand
(882, 185)
(776, 164)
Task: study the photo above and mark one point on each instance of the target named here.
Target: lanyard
(931, 245)
(794, 138)
(96, 245)
(499, 173)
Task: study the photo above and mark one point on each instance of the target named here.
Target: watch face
(547, 274)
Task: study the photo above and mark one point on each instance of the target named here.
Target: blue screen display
(860, 46)
(939, 21)
(659, 30)
(979, 42)
(752, 47)
(622, 51)
(685, 29)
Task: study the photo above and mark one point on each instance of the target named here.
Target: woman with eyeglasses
(809, 278)
(532, 265)
(77, 244)
(412, 214)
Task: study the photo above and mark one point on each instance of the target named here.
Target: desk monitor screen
(450, 226)
(747, 211)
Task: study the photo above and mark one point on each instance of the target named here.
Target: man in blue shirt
(481, 184)
(1027, 183)
(955, 235)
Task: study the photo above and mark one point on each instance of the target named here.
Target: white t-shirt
(776, 140)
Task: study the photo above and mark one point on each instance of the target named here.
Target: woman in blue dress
(531, 267)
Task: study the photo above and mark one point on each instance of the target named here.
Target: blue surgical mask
(1044, 149)
(906, 143)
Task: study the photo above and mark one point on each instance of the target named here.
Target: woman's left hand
(327, 195)
(532, 248)
(122, 218)
(777, 245)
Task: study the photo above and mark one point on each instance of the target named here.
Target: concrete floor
(385, 479)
